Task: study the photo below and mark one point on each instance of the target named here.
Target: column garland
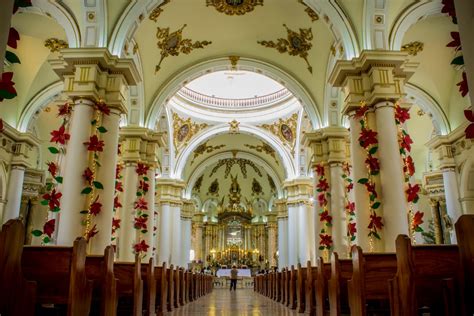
(92, 187)
(348, 205)
(411, 191)
(52, 197)
(368, 141)
(118, 189)
(322, 187)
(141, 209)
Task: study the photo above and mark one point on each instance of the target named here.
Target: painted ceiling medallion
(285, 130)
(173, 44)
(184, 130)
(296, 44)
(234, 7)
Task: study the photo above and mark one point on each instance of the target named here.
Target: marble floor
(242, 302)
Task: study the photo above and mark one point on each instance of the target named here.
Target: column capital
(299, 191)
(169, 191)
(140, 144)
(444, 147)
(187, 210)
(96, 74)
(433, 183)
(374, 76)
(329, 144)
(19, 145)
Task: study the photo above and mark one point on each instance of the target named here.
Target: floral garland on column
(94, 146)
(368, 141)
(118, 190)
(348, 205)
(322, 187)
(411, 191)
(141, 209)
(53, 196)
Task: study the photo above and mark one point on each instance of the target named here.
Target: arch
(428, 104)
(241, 154)
(39, 101)
(62, 16)
(414, 13)
(248, 64)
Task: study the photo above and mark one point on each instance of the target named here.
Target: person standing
(233, 277)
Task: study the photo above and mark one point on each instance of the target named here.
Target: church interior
(323, 148)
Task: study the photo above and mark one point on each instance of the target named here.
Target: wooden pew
(60, 276)
(341, 272)
(285, 286)
(278, 286)
(170, 281)
(129, 287)
(177, 288)
(301, 288)
(321, 286)
(371, 273)
(161, 289)
(17, 295)
(182, 287)
(100, 269)
(149, 288)
(292, 297)
(465, 236)
(310, 289)
(427, 275)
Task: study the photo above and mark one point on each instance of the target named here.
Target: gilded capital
(330, 144)
(140, 144)
(169, 191)
(299, 191)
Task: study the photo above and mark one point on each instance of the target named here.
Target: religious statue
(234, 191)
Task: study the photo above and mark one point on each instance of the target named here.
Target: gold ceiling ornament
(264, 148)
(285, 130)
(296, 44)
(55, 45)
(233, 62)
(198, 184)
(184, 130)
(311, 13)
(241, 162)
(413, 48)
(271, 183)
(256, 187)
(234, 7)
(213, 188)
(157, 11)
(234, 127)
(204, 148)
(173, 44)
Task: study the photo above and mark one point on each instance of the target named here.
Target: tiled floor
(242, 302)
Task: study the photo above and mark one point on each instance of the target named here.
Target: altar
(241, 273)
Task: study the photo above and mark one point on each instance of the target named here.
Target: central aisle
(240, 303)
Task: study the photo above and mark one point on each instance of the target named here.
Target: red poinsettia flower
(141, 204)
(346, 167)
(60, 136)
(417, 219)
(48, 227)
(92, 232)
(118, 171)
(349, 187)
(463, 87)
(53, 199)
(406, 142)
(102, 107)
(119, 149)
(367, 137)
(361, 111)
(325, 240)
(373, 164)
(64, 110)
(115, 224)
(7, 91)
(117, 203)
(370, 187)
(142, 169)
(140, 222)
(319, 170)
(322, 185)
(325, 217)
(456, 42)
(322, 199)
(375, 222)
(96, 207)
(351, 229)
(448, 7)
(13, 38)
(401, 114)
(350, 208)
(52, 169)
(412, 193)
(470, 128)
(141, 247)
(1, 124)
(143, 185)
(94, 144)
(88, 175)
(118, 186)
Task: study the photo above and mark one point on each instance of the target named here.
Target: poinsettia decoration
(349, 206)
(141, 208)
(469, 114)
(368, 140)
(411, 190)
(52, 197)
(118, 189)
(325, 218)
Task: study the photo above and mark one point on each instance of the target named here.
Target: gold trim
(204, 148)
(157, 11)
(296, 44)
(311, 13)
(413, 48)
(241, 162)
(234, 127)
(184, 130)
(277, 129)
(234, 7)
(264, 148)
(173, 44)
(233, 62)
(55, 45)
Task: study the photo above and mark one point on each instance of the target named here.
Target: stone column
(272, 239)
(14, 191)
(292, 229)
(186, 222)
(282, 239)
(453, 207)
(434, 204)
(149, 236)
(377, 78)
(339, 222)
(198, 241)
(127, 233)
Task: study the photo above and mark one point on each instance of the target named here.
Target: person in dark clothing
(233, 278)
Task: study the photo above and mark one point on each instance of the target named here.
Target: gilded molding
(296, 44)
(413, 48)
(174, 44)
(233, 62)
(284, 129)
(234, 127)
(184, 130)
(312, 15)
(157, 11)
(204, 148)
(234, 7)
(55, 45)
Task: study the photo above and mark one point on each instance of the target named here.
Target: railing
(206, 100)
